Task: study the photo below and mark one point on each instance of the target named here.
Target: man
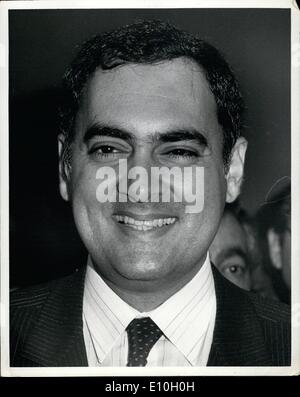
(148, 96)
(274, 231)
(229, 250)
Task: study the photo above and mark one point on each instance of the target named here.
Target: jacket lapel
(238, 336)
(57, 337)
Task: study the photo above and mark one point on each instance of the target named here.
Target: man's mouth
(144, 225)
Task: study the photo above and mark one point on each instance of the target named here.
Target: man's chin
(145, 271)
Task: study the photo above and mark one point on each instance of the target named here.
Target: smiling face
(153, 116)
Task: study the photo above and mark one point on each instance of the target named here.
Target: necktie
(142, 333)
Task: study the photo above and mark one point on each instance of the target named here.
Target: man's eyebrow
(109, 131)
(178, 135)
(230, 252)
(189, 134)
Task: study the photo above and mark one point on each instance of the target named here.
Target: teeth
(144, 225)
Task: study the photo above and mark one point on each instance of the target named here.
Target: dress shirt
(187, 320)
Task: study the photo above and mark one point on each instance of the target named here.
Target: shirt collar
(187, 315)
(189, 309)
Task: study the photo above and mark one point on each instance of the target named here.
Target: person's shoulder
(26, 303)
(30, 296)
(34, 297)
(40, 307)
(271, 317)
(275, 319)
(270, 310)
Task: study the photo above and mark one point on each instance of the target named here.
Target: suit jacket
(47, 330)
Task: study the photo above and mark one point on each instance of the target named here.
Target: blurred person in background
(261, 282)
(237, 254)
(273, 222)
(229, 249)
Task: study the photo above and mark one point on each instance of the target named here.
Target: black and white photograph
(150, 189)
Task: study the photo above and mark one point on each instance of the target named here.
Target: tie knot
(142, 333)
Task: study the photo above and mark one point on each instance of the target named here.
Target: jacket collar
(57, 337)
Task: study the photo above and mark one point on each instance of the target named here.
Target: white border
(4, 214)
(295, 174)
(81, 4)
(4, 192)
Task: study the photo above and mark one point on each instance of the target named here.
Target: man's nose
(138, 177)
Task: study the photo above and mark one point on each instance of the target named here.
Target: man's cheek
(106, 185)
(194, 189)
(84, 191)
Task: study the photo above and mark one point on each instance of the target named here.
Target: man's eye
(105, 151)
(234, 269)
(182, 153)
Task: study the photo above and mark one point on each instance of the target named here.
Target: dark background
(256, 42)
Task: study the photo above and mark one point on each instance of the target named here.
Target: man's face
(153, 116)
(228, 252)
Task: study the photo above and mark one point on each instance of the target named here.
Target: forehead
(171, 92)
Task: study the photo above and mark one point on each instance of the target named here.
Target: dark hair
(150, 42)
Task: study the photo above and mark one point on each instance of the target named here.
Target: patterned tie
(142, 333)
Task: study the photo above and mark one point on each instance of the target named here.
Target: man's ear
(274, 248)
(64, 171)
(235, 171)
